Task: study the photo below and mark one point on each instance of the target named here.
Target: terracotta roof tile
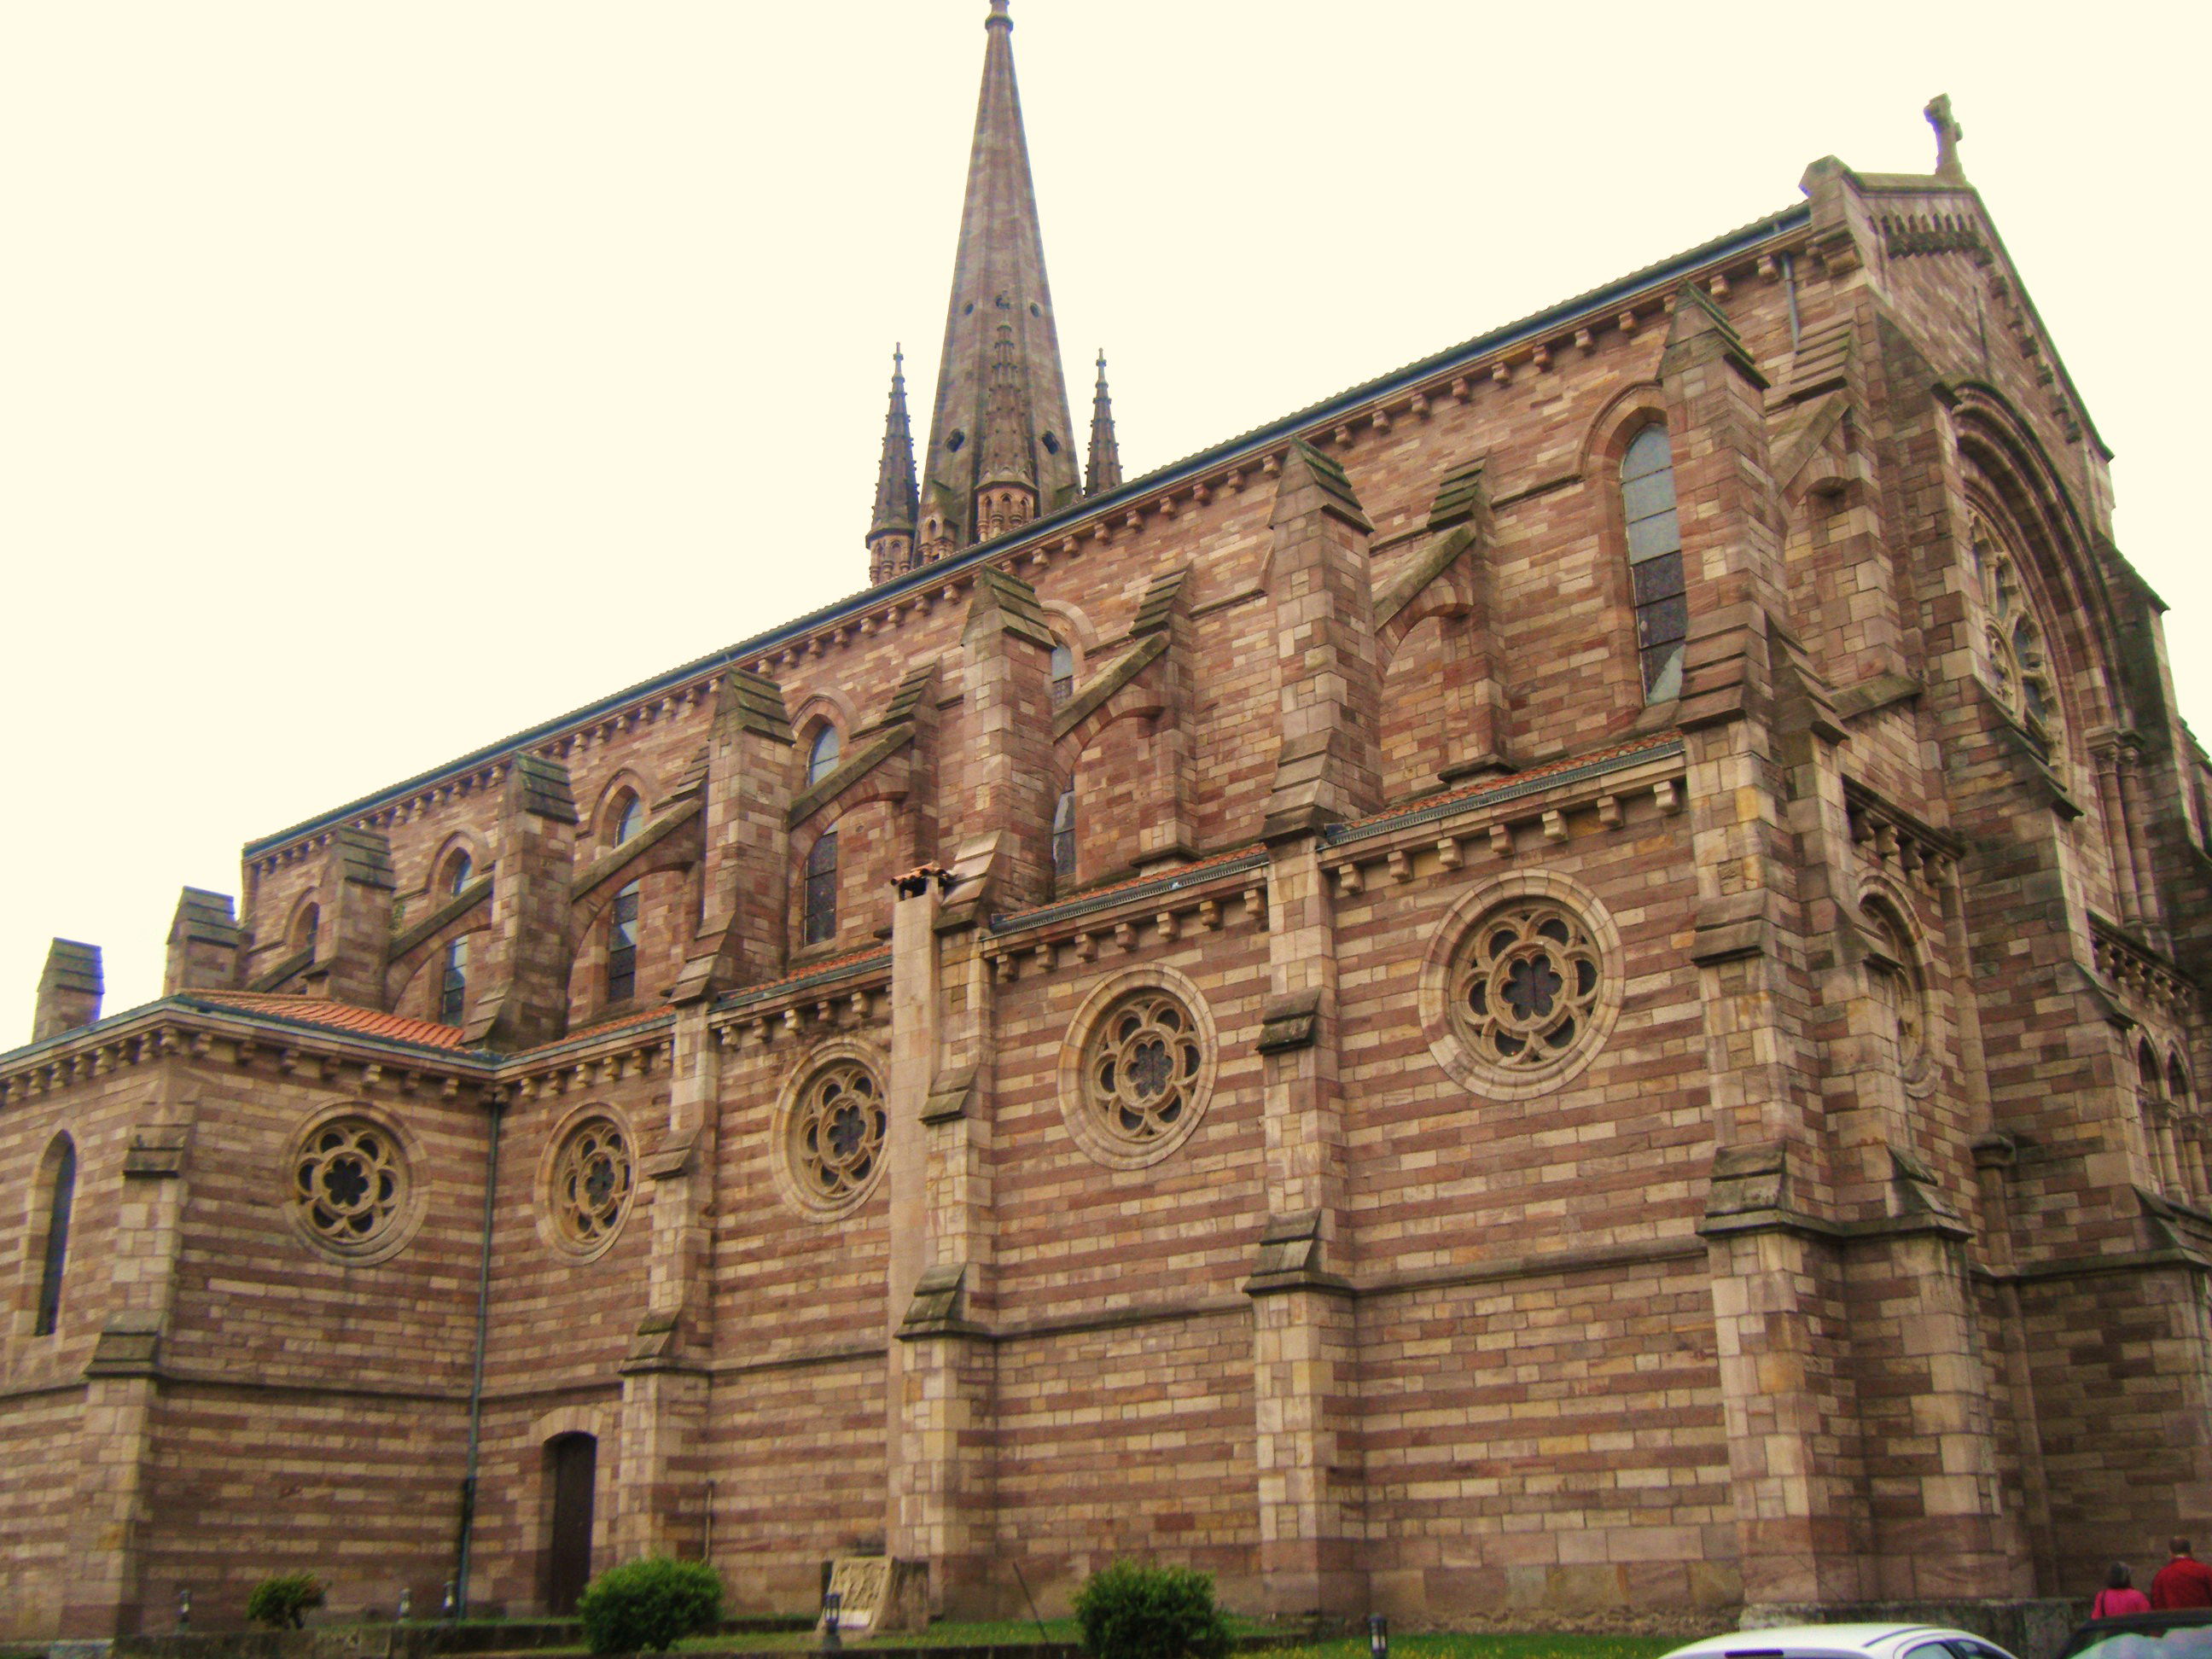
(337, 1017)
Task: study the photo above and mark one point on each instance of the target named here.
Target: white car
(1843, 1642)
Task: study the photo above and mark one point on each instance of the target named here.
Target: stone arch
(602, 1422)
(2011, 482)
(462, 841)
(626, 782)
(45, 1208)
(1624, 417)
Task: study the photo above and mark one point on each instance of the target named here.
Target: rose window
(348, 1183)
(591, 1184)
(1145, 1062)
(1524, 985)
(836, 1135)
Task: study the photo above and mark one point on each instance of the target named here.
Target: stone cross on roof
(1948, 134)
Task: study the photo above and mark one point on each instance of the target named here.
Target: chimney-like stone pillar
(1005, 834)
(1326, 769)
(69, 990)
(203, 944)
(356, 932)
(742, 921)
(524, 999)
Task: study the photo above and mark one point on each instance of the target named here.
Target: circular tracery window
(1137, 1068)
(350, 1193)
(1521, 986)
(589, 1186)
(836, 1123)
(1142, 1065)
(1524, 982)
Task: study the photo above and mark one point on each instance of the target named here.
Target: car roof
(1814, 1638)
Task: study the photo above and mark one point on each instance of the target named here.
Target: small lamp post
(1378, 1637)
(448, 1607)
(406, 1603)
(831, 1601)
(184, 1607)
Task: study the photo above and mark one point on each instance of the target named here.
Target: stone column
(203, 944)
(69, 990)
(913, 1518)
(107, 1595)
(356, 918)
(524, 973)
(661, 1506)
(742, 920)
(1782, 1363)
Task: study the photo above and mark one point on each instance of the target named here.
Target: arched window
(1655, 562)
(306, 926)
(622, 946)
(821, 756)
(628, 816)
(458, 870)
(1063, 838)
(453, 983)
(60, 1201)
(1063, 673)
(2157, 1118)
(2177, 1081)
(821, 924)
(2013, 640)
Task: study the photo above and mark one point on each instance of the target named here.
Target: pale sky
(376, 381)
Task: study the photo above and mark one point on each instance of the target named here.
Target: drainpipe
(476, 1379)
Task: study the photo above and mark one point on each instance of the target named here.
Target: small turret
(1105, 454)
(890, 528)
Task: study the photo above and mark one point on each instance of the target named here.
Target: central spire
(1000, 417)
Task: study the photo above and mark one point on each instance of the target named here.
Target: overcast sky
(376, 381)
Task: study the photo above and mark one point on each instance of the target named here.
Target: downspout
(1789, 287)
(477, 1375)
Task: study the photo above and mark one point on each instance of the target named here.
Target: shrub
(1132, 1611)
(283, 1600)
(649, 1604)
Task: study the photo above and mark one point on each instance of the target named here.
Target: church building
(1565, 986)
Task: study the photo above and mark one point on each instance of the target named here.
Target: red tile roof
(337, 1017)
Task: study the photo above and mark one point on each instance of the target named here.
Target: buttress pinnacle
(896, 494)
(1105, 454)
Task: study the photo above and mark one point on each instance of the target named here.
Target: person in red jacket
(2184, 1582)
(2118, 1598)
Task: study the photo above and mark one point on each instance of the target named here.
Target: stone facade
(1466, 1118)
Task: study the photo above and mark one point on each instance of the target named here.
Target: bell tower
(1000, 450)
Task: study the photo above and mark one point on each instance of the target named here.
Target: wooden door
(573, 1465)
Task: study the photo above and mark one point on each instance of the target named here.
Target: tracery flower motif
(591, 1182)
(836, 1135)
(1524, 985)
(1145, 1062)
(349, 1180)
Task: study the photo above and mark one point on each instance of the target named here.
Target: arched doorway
(571, 1463)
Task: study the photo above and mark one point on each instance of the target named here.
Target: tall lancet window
(821, 892)
(60, 1201)
(1063, 839)
(622, 946)
(821, 901)
(1655, 562)
(1062, 671)
(821, 758)
(453, 983)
